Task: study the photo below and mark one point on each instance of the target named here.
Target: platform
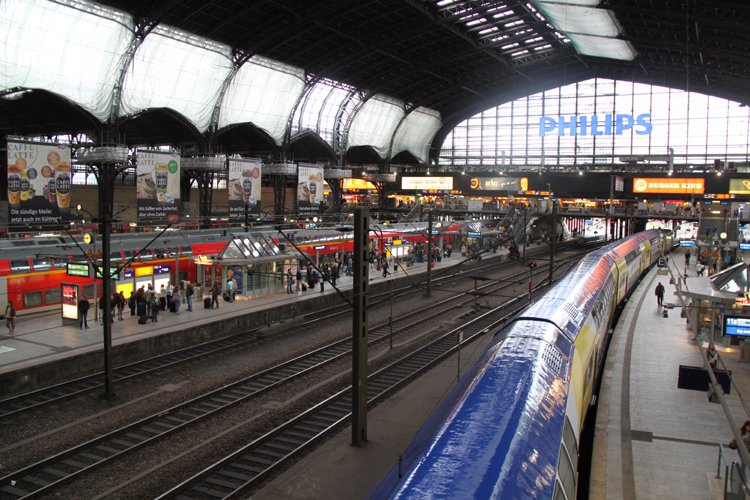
(41, 340)
(652, 441)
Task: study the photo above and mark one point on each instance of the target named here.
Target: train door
(3, 294)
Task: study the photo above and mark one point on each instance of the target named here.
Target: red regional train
(33, 270)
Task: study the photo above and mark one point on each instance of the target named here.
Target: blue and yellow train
(511, 429)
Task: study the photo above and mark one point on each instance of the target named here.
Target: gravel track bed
(86, 417)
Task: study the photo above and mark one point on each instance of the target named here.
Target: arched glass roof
(83, 51)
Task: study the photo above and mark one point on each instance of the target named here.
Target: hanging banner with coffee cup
(39, 182)
(158, 185)
(244, 188)
(309, 189)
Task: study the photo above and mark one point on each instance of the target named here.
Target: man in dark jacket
(83, 311)
(215, 291)
(659, 292)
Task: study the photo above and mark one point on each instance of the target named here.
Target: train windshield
(41, 265)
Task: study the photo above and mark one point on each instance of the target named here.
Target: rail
(738, 488)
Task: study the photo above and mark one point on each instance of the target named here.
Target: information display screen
(738, 326)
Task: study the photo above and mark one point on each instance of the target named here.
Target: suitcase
(305, 286)
(172, 306)
(142, 320)
(162, 303)
(141, 308)
(207, 303)
(226, 296)
(378, 267)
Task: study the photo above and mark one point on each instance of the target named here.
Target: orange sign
(668, 185)
(354, 183)
(202, 259)
(144, 271)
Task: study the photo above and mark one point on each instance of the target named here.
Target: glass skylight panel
(598, 46)
(70, 49)
(416, 132)
(264, 93)
(177, 70)
(374, 124)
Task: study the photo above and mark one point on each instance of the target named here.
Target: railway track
(69, 389)
(52, 473)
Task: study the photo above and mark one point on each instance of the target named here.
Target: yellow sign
(668, 185)
(396, 242)
(202, 259)
(358, 184)
(739, 186)
(144, 271)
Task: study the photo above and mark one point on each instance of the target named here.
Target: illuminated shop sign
(686, 243)
(353, 184)
(739, 186)
(429, 182)
(319, 247)
(594, 125)
(495, 183)
(162, 269)
(663, 185)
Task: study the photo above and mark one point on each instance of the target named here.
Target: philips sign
(589, 125)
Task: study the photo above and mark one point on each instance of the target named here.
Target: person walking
(659, 292)
(299, 278)
(215, 291)
(154, 309)
(10, 317)
(83, 312)
(189, 294)
(289, 280)
(177, 297)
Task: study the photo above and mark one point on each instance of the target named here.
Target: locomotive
(511, 428)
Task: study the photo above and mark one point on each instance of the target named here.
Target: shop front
(254, 264)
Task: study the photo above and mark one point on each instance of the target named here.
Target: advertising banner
(429, 182)
(309, 189)
(354, 185)
(158, 185)
(682, 186)
(70, 293)
(39, 182)
(739, 186)
(244, 188)
(495, 184)
(234, 273)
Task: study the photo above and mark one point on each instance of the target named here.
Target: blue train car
(511, 428)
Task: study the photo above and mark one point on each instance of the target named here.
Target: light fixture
(580, 172)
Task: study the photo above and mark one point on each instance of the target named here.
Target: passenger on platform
(215, 291)
(699, 269)
(177, 299)
(334, 272)
(83, 312)
(349, 266)
(163, 292)
(289, 280)
(154, 307)
(114, 302)
(687, 258)
(231, 285)
(463, 250)
(120, 305)
(131, 303)
(189, 294)
(712, 355)
(170, 289)
(745, 433)
(326, 275)
(299, 278)
(659, 292)
(10, 317)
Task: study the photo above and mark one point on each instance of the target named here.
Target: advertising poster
(158, 185)
(495, 184)
(234, 273)
(671, 186)
(70, 301)
(429, 182)
(309, 189)
(39, 182)
(244, 188)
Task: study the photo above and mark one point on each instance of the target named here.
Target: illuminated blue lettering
(584, 125)
(572, 125)
(607, 124)
(647, 126)
(594, 126)
(546, 124)
(623, 122)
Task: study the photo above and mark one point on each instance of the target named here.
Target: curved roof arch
(453, 57)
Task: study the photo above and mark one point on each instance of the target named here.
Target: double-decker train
(32, 270)
(511, 428)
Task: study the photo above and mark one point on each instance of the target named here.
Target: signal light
(531, 264)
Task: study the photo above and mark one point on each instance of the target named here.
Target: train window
(146, 254)
(570, 443)
(19, 266)
(89, 291)
(129, 254)
(160, 252)
(115, 257)
(60, 262)
(31, 299)
(41, 265)
(313, 239)
(53, 296)
(565, 473)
